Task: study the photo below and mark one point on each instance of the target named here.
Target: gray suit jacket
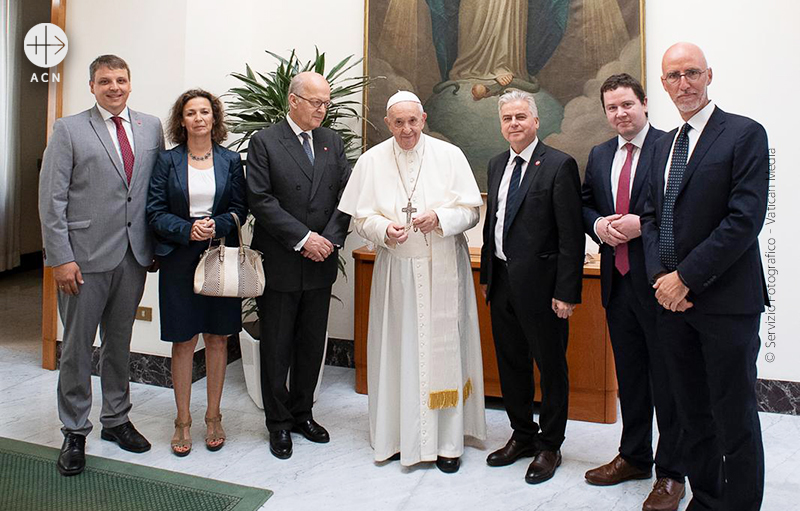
(88, 211)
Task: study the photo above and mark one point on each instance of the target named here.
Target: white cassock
(424, 365)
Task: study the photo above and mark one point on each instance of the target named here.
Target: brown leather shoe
(616, 472)
(543, 467)
(666, 495)
(510, 453)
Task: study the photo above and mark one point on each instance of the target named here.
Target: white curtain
(11, 53)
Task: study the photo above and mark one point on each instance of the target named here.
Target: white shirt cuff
(299, 246)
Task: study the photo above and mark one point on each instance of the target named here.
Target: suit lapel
(181, 165)
(643, 166)
(221, 168)
(139, 146)
(295, 149)
(713, 129)
(321, 154)
(99, 126)
(606, 162)
(660, 157)
(537, 159)
(494, 190)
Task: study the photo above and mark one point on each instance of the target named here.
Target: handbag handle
(242, 255)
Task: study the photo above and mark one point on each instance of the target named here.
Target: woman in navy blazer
(194, 189)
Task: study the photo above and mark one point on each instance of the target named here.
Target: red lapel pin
(324, 148)
(138, 123)
(537, 162)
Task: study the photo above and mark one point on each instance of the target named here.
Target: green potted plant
(261, 100)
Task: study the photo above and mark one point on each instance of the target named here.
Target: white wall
(174, 45)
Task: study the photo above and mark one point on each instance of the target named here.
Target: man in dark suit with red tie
(708, 200)
(531, 276)
(614, 195)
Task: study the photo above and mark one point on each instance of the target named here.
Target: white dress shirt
(698, 123)
(125, 115)
(502, 193)
(619, 161)
(297, 131)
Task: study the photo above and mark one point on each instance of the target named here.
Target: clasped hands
(615, 229)
(203, 229)
(317, 248)
(426, 222)
(671, 292)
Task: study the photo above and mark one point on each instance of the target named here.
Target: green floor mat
(29, 481)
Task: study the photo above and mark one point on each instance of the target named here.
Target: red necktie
(623, 203)
(124, 147)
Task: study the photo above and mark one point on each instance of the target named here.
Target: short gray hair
(518, 95)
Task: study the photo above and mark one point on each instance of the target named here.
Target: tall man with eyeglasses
(296, 172)
(708, 200)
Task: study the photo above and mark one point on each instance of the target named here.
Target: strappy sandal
(183, 441)
(217, 433)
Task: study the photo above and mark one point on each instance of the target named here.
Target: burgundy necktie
(124, 147)
(623, 203)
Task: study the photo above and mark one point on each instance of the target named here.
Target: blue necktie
(666, 238)
(512, 196)
(307, 147)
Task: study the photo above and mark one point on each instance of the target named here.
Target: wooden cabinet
(592, 380)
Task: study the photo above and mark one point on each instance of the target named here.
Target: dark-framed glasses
(692, 75)
(315, 102)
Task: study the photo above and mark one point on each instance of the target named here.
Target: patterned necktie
(666, 238)
(511, 196)
(622, 207)
(124, 148)
(307, 147)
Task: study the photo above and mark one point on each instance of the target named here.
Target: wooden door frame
(58, 16)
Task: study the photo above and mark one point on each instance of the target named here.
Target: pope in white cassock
(413, 196)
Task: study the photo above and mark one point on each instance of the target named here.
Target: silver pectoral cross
(408, 210)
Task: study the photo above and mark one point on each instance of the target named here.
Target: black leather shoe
(512, 451)
(312, 431)
(127, 437)
(72, 459)
(543, 467)
(280, 444)
(448, 465)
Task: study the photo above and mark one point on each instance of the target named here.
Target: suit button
(129, 224)
(297, 187)
(129, 199)
(330, 187)
(327, 211)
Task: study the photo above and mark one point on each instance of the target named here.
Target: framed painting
(459, 56)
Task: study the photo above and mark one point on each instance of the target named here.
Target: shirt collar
(637, 141)
(700, 119)
(526, 153)
(125, 115)
(297, 129)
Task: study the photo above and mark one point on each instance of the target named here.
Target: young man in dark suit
(614, 194)
(296, 172)
(708, 200)
(531, 276)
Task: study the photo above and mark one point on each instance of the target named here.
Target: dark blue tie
(307, 147)
(512, 197)
(666, 238)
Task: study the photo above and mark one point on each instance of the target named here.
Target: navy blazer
(544, 245)
(719, 211)
(168, 198)
(598, 201)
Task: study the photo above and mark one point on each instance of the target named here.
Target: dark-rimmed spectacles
(691, 75)
(315, 102)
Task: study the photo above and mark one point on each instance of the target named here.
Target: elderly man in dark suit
(92, 197)
(614, 195)
(708, 200)
(531, 276)
(296, 173)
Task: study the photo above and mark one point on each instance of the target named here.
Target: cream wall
(174, 45)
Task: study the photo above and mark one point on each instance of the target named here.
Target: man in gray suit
(92, 194)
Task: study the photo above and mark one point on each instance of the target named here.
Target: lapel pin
(537, 162)
(324, 148)
(138, 123)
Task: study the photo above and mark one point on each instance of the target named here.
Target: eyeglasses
(315, 102)
(691, 75)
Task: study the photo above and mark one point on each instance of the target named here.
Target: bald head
(309, 96)
(686, 76)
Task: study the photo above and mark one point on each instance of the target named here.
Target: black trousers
(292, 329)
(712, 361)
(643, 381)
(520, 338)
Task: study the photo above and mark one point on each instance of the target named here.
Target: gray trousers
(108, 300)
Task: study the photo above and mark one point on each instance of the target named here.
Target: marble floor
(339, 475)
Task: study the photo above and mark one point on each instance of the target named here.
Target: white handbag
(230, 271)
